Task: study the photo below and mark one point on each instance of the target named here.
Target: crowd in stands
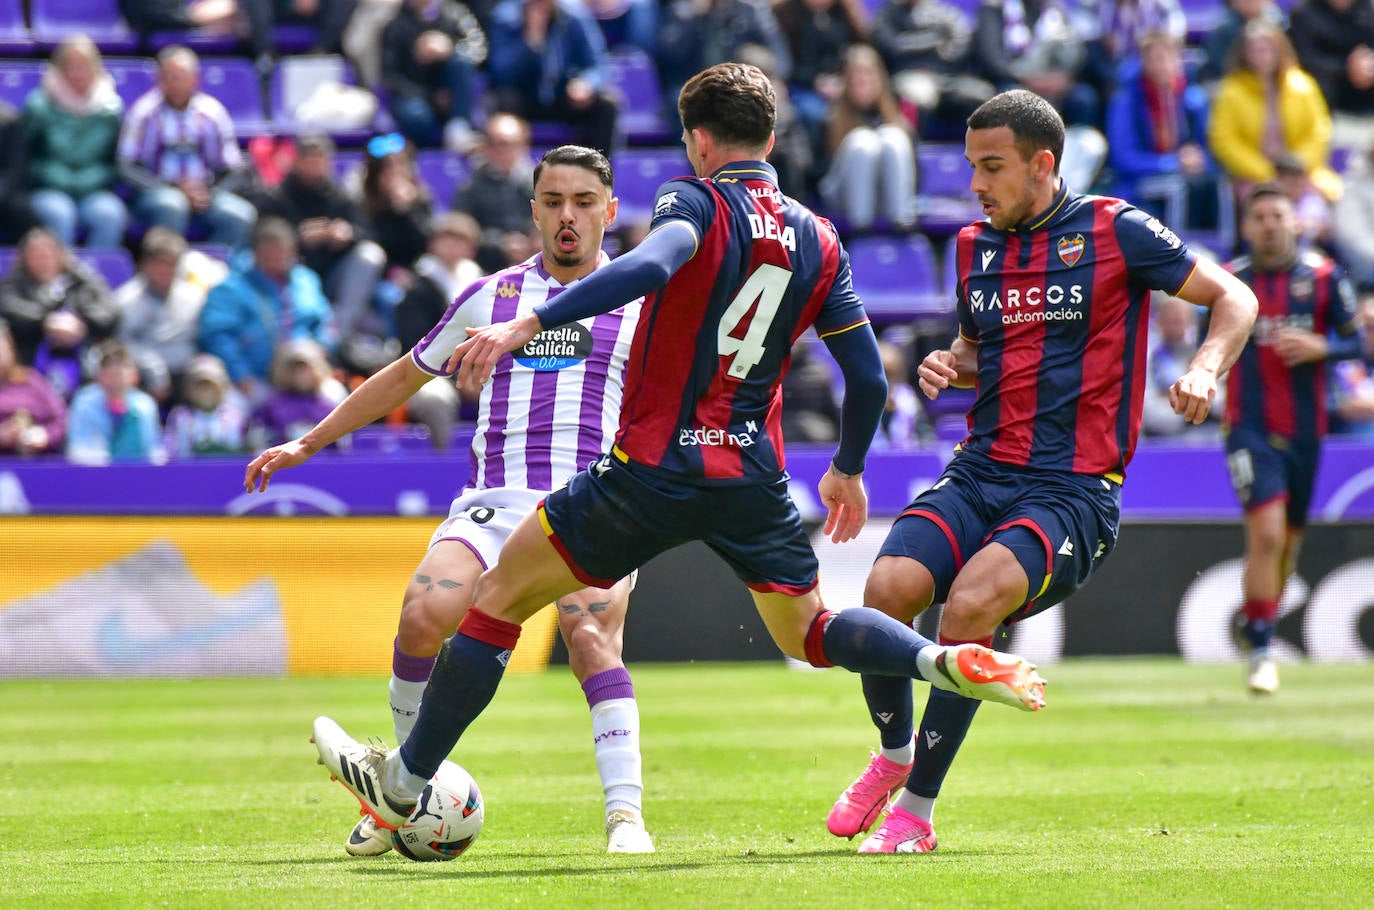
(196, 267)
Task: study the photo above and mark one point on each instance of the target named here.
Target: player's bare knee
(425, 622)
(974, 611)
(899, 587)
(591, 645)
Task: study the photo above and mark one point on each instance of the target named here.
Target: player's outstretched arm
(383, 392)
(1234, 309)
(641, 271)
(954, 368)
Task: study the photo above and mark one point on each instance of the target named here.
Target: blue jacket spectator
(547, 64)
(1157, 135)
(111, 418)
(695, 34)
(268, 298)
(71, 125)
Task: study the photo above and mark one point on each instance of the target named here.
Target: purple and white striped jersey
(552, 407)
(197, 143)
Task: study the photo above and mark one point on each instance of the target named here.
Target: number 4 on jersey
(766, 285)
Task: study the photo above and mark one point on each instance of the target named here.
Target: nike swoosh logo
(118, 648)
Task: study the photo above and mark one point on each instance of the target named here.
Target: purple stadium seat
(638, 175)
(294, 39)
(53, 20)
(133, 76)
(17, 79)
(896, 277)
(443, 172)
(235, 83)
(295, 78)
(633, 75)
(943, 200)
(1203, 16)
(15, 39)
(116, 265)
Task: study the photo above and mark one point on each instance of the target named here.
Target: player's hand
(1193, 393)
(1295, 346)
(936, 373)
(847, 501)
(286, 455)
(475, 358)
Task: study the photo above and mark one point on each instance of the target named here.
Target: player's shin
(463, 682)
(892, 710)
(865, 640)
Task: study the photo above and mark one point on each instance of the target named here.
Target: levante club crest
(1071, 249)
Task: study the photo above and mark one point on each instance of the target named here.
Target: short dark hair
(734, 102)
(110, 352)
(1260, 191)
(1034, 123)
(578, 156)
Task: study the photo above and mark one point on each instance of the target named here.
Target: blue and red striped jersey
(1059, 310)
(1261, 392)
(703, 386)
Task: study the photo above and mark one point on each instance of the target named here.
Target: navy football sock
(943, 728)
(865, 640)
(892, 708)
(461, 685)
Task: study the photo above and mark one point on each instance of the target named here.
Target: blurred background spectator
(900, 426)
(925, 45)
(111, 418)
(871, 147)
(1216, 45)
(178, 150)
(1353, 385)
(334, 236)
(1034, 44)
(818, 34)
(695, 34)
(33, 417)
(1310, 208)
(328, 19)
(213, 420)
(159, 309)
(431, 53)
(1173, 342)
(1334, 41)
(148, 16)
(809, 411)
(55, 306)
(267, 299)
(1157, 136)
(548, 64)
(1352, 232)
(16, 215)
(498, 192)
(627, 23)
(303, 393)
(1267, 106)
(71, 127)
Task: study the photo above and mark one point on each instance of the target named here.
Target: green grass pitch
(1145, 783)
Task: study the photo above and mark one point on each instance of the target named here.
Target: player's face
(572, 208)
(1005, 183)
(1271, 229)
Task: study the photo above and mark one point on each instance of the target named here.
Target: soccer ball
(446, 820)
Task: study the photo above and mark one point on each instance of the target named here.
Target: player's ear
(772, 137)
(534, 213)
(612, 208)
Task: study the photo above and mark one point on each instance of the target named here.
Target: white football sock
(405, 705)
(615, 732)
(903, 755)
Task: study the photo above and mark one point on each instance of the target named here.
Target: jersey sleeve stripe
(842, 330)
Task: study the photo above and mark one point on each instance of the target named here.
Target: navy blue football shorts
(615, 516)
(1059, 525)
(1265, 468)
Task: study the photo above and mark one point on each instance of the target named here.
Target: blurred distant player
(1276, 408)
(736, 272)
(548, 411)
(1053, 302)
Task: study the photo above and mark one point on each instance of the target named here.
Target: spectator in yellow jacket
(1267, 106)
